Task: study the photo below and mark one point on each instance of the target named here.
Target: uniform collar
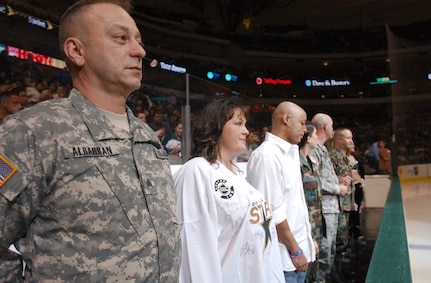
(303, 159)
(342, 155)
(101, 129)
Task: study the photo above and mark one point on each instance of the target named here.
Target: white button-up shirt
(274, 169)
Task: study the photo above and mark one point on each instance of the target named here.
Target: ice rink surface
(417, 209)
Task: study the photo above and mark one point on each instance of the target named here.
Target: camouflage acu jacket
(311, 184)
(329, 180)
(341, 167)
(85, 201)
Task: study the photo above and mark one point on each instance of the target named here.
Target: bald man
(274, 169)
(331, 189)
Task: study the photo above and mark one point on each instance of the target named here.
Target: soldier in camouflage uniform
(343, 140)
(311, 184)
(86, 192)
(331, 188)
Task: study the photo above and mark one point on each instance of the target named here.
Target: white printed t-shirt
(226, 228)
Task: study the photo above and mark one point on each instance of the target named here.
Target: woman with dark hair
(226, 227)
(310, 180)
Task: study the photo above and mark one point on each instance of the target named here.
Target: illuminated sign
(38, 22)
(172, 68)
(330, 83)
(231, 78)
(383, 80)
(35, 57)
(213, 76)
(271, 81)
(228, 77)
(9, 11)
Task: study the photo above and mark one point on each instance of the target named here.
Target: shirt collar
(284, 145)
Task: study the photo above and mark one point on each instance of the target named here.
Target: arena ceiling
(328, 14)
(253, 16)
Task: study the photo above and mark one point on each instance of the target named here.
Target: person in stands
(172, 143)
(384, 158)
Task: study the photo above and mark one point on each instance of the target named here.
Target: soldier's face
(347, 140)
(113, 49)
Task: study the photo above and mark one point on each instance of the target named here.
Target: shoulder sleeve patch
(6, 170)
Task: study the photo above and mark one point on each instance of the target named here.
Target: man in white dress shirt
(274, 169)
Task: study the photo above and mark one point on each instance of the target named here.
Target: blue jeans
(294, 276)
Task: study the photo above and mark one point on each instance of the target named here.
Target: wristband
(298, 253)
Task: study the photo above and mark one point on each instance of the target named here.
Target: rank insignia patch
(6, 170)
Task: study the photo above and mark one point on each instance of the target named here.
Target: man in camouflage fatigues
(86, 192)
(343, 139)
(331, 188)
(91, 201)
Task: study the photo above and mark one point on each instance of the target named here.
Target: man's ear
(74, 51)
(286, 118)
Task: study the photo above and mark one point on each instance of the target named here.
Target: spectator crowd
(25, 83)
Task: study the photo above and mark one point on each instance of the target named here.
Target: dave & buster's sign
(325, 83)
